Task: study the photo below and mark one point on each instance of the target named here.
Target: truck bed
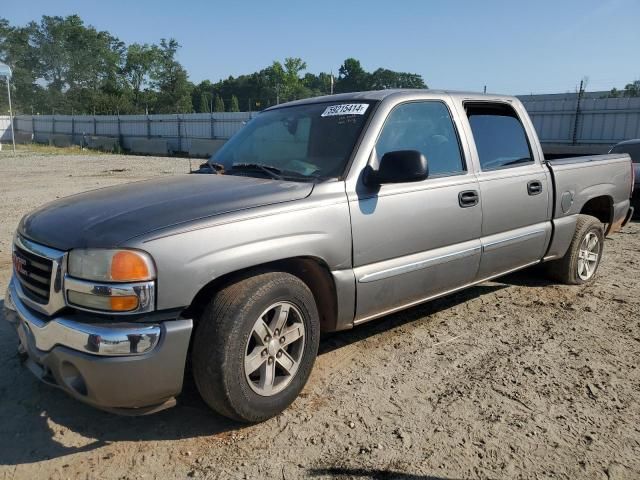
(598, 178)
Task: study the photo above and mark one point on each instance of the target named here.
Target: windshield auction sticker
(345, 109)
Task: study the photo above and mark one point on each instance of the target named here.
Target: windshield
(633, 149)
(305, 142)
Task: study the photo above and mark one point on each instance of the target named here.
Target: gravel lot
(518, 378)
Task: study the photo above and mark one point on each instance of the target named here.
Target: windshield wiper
(216, 168)
(273, 172)
(291, 174)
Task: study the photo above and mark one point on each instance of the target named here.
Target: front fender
(190, 259)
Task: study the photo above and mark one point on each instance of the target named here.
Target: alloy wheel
(274, 349)
(588, 256)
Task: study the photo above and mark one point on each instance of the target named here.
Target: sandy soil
(518, 378)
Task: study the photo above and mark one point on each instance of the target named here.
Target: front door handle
(534, 187)
(468, 198)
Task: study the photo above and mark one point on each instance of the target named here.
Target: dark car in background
(632, 147)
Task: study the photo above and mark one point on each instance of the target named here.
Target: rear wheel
(580, 263)
(255, 346)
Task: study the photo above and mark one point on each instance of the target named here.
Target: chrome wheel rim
(588, 256)
(274, 349)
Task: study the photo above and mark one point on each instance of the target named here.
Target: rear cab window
(500, 137)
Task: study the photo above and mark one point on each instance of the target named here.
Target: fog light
(102, 302)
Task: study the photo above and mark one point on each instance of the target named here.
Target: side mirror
(400, 166)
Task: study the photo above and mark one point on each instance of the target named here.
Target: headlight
(111, 265)
(119, 281)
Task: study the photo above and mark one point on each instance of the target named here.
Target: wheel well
(312, 271)
(599, 207)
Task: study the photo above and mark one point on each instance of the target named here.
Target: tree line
(630, 90)
(61, 65)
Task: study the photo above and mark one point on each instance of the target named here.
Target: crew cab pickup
(317, 216)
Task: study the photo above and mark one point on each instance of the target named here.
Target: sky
(512, 47)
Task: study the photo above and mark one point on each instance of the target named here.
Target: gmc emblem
(19, 264)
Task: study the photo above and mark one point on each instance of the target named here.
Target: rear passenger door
(514, 186)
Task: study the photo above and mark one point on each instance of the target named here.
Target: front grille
(34, 274)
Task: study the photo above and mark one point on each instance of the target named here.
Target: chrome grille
(34, 274)
(37, 275)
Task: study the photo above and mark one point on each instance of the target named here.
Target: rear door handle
(468, 198)
(534, 187)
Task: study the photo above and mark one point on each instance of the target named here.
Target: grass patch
(43, 149)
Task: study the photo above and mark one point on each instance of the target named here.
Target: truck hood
(108, 217)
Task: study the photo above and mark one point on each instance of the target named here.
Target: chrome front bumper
(94, 338)
(126, 368)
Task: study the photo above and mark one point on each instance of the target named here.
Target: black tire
(565, 269)
(221, 339)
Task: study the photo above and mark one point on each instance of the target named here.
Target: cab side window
(499, 135)
(427, 127)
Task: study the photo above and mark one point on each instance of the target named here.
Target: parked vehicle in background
(319, 215)
(632, 147)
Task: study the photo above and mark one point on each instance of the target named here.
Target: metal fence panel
(178, 130)
(599, 120)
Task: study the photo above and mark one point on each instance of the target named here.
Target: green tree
(352, 77)
(62, 65)
(234, 107)
(218, 104)
(202, 96)
(275, 78)
(632, 89)
(294, 87)
(284, 79)
(205, 103)
(138, 64)
(170, 80)
(78, 62)
(317, 84)
(16, 52)
(383, 79)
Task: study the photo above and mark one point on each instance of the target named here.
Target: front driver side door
(414, 241)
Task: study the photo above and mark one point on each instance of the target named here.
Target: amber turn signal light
(129, 266)
(123, 304)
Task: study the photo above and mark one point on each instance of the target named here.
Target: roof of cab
(377, 95)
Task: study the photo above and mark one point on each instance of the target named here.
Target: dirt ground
(517, 378)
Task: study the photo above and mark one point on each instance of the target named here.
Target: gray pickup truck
(319, 215)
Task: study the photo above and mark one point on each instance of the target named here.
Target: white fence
(177, 130)
(5, 129)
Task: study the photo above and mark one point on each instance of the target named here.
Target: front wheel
(255, 346)
(580, 263)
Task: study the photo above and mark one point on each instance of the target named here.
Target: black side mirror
(400, 166)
